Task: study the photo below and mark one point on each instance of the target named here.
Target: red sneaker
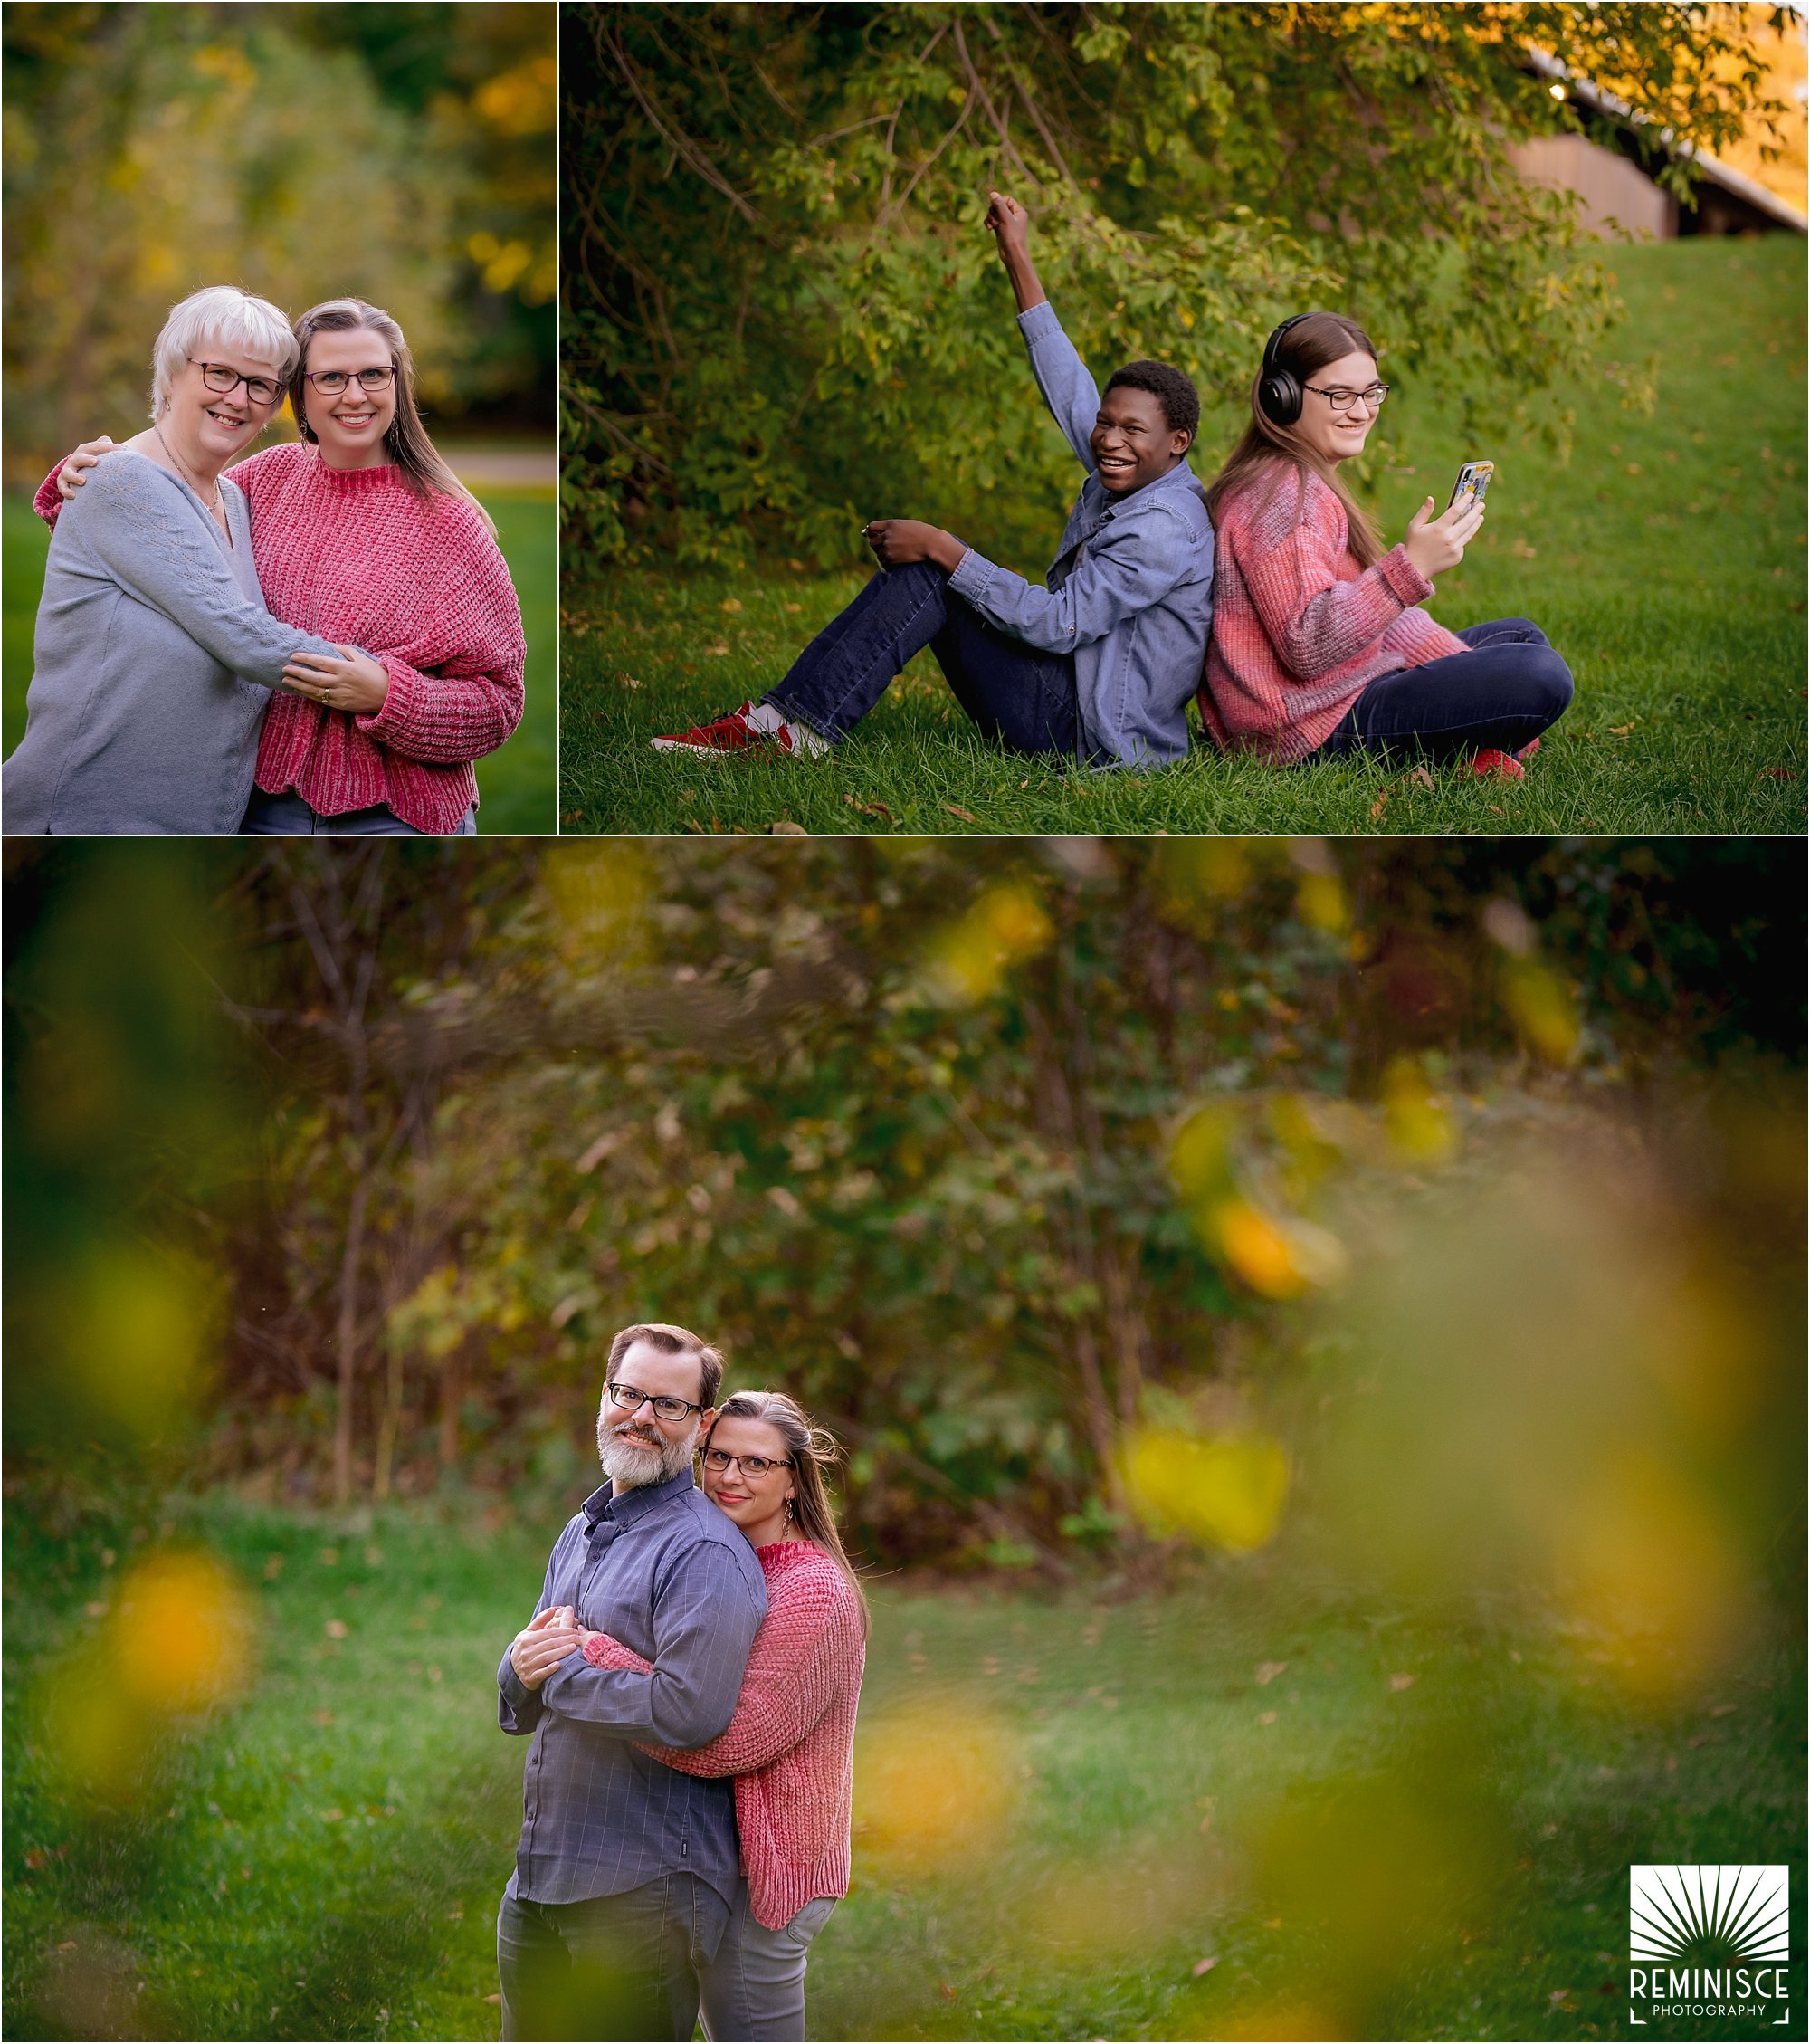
(725, 733)
(1528, 750)
(1491, 765)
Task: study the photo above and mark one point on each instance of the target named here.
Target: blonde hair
(424, 467)
(230, 317)
(813, 1450)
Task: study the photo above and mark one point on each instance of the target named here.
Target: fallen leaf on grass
(719, 650)
(1267, 1671)
(869, 809)
(1494, 810)
(1266, 1717)
(1379, 805)
(786, 828)
(956, 809)
(1401, 1682)
(732, 605)
(1421, 778)
(1780, 773)
(1204, 1966)
(798, 606)
(335, 1628)
(1620, 730)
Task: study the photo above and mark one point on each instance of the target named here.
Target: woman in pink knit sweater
(790, 1746)
(362, 533)
(1318, 645)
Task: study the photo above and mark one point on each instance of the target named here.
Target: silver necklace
(218, 508)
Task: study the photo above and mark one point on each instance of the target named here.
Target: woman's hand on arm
(897, 542)
(354, 682)
(1435, 544)
(1010, 225)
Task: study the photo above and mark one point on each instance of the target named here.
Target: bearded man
(627, 1869)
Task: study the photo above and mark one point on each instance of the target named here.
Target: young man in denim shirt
(1099, 666)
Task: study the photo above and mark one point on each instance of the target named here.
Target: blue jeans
(287, 815)
(617, 1966)
(753, 1990)
(1507, 689)
(1023, 698)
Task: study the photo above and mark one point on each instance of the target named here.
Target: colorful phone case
(1473, 480)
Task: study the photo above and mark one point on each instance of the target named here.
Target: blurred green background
(405, 154)
(1316, 1326)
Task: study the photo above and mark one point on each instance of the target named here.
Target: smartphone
(1473, 480)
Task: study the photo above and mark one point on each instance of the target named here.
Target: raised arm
(146, 540)
(705, 1614)
(1068, 389)
(793, 1676)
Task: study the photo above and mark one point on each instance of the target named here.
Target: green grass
(1666, 562)
(1444, 1856)
(515, 783)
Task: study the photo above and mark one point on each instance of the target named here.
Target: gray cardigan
(154, 661)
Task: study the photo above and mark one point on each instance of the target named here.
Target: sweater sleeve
(1315, 621)
(48, 502)
(791, 1680)
(456, 686)
(147, 542)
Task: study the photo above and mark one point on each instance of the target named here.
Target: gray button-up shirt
(664, 1571)
(1130, 592)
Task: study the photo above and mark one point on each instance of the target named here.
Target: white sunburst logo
(1709, 1915)
(1710, 1941)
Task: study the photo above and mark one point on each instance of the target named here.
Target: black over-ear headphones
(1278, 390)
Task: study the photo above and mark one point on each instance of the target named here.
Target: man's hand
(1011, 227)
(540, 1646)
(70, 478)
(899, 541)
(1435, 544)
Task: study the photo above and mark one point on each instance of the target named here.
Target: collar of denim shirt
(603, 1504)
(1177, 477)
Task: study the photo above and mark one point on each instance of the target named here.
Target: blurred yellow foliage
(1419, 1125)
(968, 962)
(1200, 1153)
(1651, 1566)
(1278, 1256)
(1321, 902)
(522, 101)
(1542, 1009)
(600, 894)
(934, 1785)
(137, 1329)
(1225, 1492)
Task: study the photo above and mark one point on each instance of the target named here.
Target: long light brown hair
(1270, 455)
(424, 467)
(813, 1450)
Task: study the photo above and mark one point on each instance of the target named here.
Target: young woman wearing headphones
(1319, 647)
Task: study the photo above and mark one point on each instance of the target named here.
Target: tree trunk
(348, 1341)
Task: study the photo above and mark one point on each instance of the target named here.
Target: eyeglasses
(753, 1465)
(329, 382)
(631, 1396)
(1343, 400)
(219, 378)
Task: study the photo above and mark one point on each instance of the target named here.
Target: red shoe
(1528, 750)
(725, 733)
(1490, 765)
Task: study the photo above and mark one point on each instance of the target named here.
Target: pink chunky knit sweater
(1298, 629)
(791, 1743)
(354, 554)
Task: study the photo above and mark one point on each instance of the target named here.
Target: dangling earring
(788, 1514)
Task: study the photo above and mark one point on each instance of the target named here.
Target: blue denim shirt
(666, 1573)
(1130, 593)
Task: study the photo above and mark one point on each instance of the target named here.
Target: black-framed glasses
(221, 380)
(1343, 400)
(754, 1466)
(631, 1394)
(329, 382)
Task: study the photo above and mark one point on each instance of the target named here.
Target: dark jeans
(618, 1966)
(1506, 690)
(1015, 694)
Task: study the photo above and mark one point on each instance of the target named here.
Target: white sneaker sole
(709, 751)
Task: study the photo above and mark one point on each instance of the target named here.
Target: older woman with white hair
(154, 657)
